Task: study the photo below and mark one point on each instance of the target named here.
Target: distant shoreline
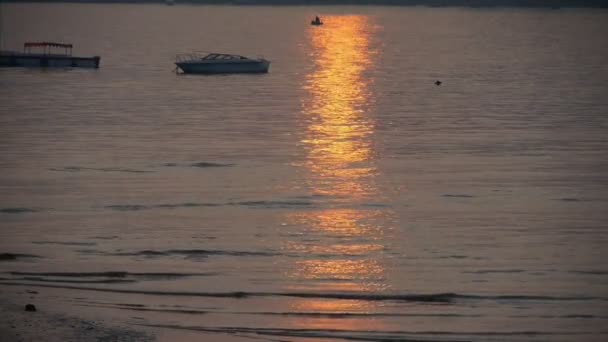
(555, 4)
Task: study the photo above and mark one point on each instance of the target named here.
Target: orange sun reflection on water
(342, 249)
(338, 95)
(342, 243)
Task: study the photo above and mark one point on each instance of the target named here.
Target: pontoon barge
(46, 57)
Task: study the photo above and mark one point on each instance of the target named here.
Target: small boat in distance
(316, 22)
(220, 63)
(46, 57)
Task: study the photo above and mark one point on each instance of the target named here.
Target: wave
(204, 253)
(374, 205)
(580, 316)
(458, 195)
(369, 335)
(456, 257)
(187, 205)
(533, 298)
(136, 207)
(97, 277)
(427, 298)
(115, 274)
(72, 281)
(133, 307)
(329, 315)
(495, 271)
(67, 243)
(353, 314)
(103, 169)
(314, 196)
(590, 272)
(17, 210)
(332, 315)
(263, 204)
(210, 164)
(15, 256)
(194, 253)
(112, 237)
(272, 204)
(126, 207)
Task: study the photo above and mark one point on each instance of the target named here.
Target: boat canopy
(47, 44)
(46, 47)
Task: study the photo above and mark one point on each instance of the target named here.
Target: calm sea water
(342, 196)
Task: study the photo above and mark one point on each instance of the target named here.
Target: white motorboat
(220, 63)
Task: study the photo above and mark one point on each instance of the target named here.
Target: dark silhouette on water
(437, 83)
(46, 57)
(317, 21)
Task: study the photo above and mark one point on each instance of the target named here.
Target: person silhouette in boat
(317, 21)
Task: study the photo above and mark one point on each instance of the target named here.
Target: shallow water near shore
(342, 196)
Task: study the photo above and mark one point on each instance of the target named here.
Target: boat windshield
(216, 56)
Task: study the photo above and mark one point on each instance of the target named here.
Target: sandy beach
(18, 325)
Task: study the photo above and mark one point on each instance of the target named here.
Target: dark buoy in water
(437, 83)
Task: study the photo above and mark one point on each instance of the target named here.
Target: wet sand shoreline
(43, 325)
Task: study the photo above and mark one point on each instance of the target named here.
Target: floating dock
(45, 58)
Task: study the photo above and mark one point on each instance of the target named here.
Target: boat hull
(16, 59)
(254, 67)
